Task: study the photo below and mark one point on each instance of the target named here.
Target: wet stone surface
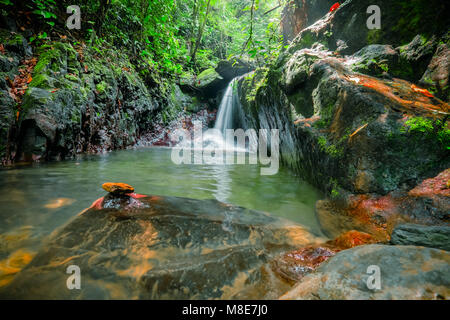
(150, 247)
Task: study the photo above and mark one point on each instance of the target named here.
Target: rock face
(157, 248)
(437, 75)
(406, 272)
(210, 83)
(419, 235)
(299, 14)
(77, 100)
(341, 129)
(234, 67)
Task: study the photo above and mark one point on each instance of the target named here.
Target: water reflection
(45, 196)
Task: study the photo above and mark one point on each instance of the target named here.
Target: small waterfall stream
(224, 118)
(229, 116)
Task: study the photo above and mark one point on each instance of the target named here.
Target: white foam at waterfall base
(214, 140)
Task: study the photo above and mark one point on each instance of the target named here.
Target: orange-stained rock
(352, 239)
(437, 186)
(117, 188)
(294, 265)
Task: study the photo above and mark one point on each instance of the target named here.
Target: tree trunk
(200, 32)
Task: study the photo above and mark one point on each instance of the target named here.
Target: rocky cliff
(351, 104)
(64, 99)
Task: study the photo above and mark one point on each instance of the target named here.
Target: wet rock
(348, 25)
(300, 14)
(172, 248)
(160, 135)
(117, 188)
(234, 67)
(436, 77)
(15, 43)
(351, 239)
(407, 272)
(419, 235)
(294, 265)
(209, 82)
(375, 59)
(427, 203)
(415, 56)
(359, 136)
(79, 102)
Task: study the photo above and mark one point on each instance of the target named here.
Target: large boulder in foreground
(407, 272)
(149, 247)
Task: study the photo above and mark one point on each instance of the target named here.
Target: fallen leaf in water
(58, 203)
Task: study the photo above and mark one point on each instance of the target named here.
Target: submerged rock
(419, 235)
(169, 248)
(406, 272)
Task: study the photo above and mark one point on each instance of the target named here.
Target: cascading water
(224, 119)
(229, 116)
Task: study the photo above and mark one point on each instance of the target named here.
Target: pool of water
(35, 200)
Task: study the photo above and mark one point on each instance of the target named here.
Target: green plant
(334, 185)
(45, 9)
(436, 130)
(330, 149)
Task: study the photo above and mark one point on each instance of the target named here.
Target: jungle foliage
(171, 36)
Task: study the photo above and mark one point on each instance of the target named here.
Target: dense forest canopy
(173, 36)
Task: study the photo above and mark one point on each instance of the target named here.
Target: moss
(45, 59)
(434, 130)
(101, 87)
(334, 186)
(41, 80)
(71, 77)
(8, 38)
(330, 149)
(374, 36)
(256, 81)
(207, 75)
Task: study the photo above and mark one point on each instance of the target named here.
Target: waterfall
(229, 116)
(224, 118)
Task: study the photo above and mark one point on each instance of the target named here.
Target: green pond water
(45, 196)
